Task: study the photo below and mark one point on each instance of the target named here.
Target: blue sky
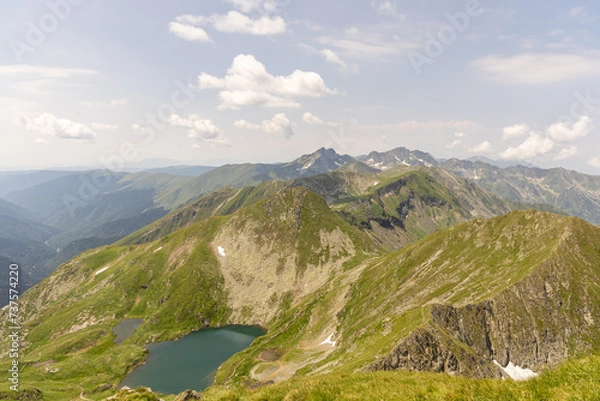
(113, 83)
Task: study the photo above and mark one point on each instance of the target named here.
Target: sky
(116, 84)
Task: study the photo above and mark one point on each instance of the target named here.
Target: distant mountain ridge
(575, 193)
(126, 202)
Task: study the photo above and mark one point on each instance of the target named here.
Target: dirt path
(81, 396)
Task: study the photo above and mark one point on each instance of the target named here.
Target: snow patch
(221, 250)
(375, 183)
(157, 249)
(328, 341)
(306, 166)
(516, 372)
(101, 270)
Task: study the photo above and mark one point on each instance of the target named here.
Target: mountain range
(356, 267)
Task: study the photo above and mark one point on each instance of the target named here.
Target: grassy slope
(574, 380)
(174, 297)
(461, 265)
(175, 284)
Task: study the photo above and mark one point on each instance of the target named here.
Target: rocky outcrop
(536, 323)
(189, 395)
(427, 349)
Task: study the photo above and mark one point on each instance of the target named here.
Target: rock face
(189, 395)
(538, 322)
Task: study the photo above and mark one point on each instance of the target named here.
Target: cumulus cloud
(248, 6)
(539, 68)
(199, 129)
(595, 162)
(49, 125)
(515, 131)
(562, 132)
(311, 119)
(538, 144)
(279, 125)
(189, 27)
(483, 147)
(460, 134)
(534, 145)
(187, 31)
(247, 82)
(236, 22)
(566, 153)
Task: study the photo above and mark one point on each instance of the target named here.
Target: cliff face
(551, 314)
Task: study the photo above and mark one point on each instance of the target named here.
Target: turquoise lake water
(190, 363)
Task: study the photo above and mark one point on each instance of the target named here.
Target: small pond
(126, 328)
(190, 363)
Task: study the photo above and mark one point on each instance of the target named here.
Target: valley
(398, 274)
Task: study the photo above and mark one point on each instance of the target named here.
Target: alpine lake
(189, 363)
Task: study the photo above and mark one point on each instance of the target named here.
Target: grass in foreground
(574, 380)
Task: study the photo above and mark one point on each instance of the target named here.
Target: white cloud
(236, 22)
(333, 58)
(595, 162)
(189, 27)
(483, 147)
(540, 68)
(248, 6)
(460, 134)
(454, 144)
(40, 72)
(566, 153)
(49, 125)
(37, 80)
(538, 144)
(112, 103)
(311, 119)
(366, 44)
(103, 127)
(41, 141)
(279, 125)
(247, 82)
(188, 32)
(515, 131)
(199, 129)
(562, 132)
(387, 7)
(534, 145)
